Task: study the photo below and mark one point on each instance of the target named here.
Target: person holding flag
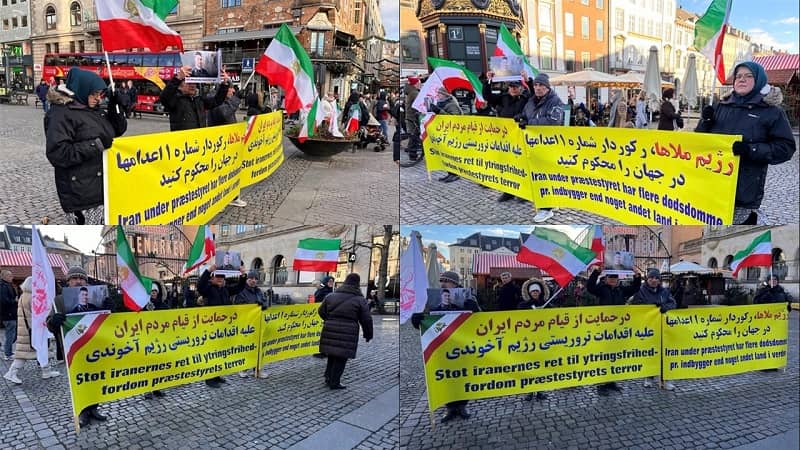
(535, 294)
(356, 114)
(773, 292)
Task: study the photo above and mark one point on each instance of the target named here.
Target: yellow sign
(471, 356)
(290, 331)
(629, 175)
(710, 342)
(114, 356)
(188, 177)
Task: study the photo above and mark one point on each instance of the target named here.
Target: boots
(84, 418)
(48, 373)
(96, 414)
(11, 375)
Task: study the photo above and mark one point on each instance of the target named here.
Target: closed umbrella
(587, 77)
(652, 81)
(690, 84)
(432, 266)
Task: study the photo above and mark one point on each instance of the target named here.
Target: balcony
(91, 27)
(337, 54)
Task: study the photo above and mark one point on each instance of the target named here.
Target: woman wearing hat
(753, 111)
(77, 131)
(534, 295)
(653, 293)
(669, 119)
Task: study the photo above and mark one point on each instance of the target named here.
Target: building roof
(4, 242)
(477, 240)
(682, 14)
(268, 33)
(18, 235)
(19, 263)
(482, 263)
(780, 68)
(59, 245)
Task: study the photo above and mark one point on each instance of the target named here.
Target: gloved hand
(708, 113)
(663, 309)
(264, 306)
(740, 148)
(416, 319)
(435, 109)
(103, 141)
(789, 307)
(522, 123)
(56, 320)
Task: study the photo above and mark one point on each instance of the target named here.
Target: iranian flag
(355, 118)
(709, 32)
(555, 253)
(287, 64)
(310, 121)
(508, 46)
(594, 240)
(202, 248)
(79, 329)
(758, 253)
(136, 23)
(135, 288)
(435, 329)
(317, 255)
(450, 76)
(333, 127)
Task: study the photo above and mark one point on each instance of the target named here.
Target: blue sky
(770, 22)
(442, 235)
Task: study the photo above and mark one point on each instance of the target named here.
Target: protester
(535, 294)
(325, 288)
(24, 350)
(189, 297)
(412, 118)
(382, 113)
(216, 293)
(445, 104)
(225, 112)
(508, 295)
(41, 92)
(773, 292)
(765, 141)
(186, 109)
(8, 313)
(156, 303)
(354, 104)
(669, 119)
(608, 294)
(124, 96)
(653, 293)
(677, 290)
(543, 108)
(618, 111)
(76, 133)
(641, 112)
(255, 104)
(342, 312)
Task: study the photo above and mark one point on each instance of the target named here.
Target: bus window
(97, 60)
(84, 60)
(169, 60)
(150, 60)
(145, 87)
(118, 60)
(50, 60)
(134, 60)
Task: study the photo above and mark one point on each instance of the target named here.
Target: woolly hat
(352, 279)
(77, 272)
(534, 287)
(542, 78)
(252, 274)
(514, 83)
(326, 279)
(653, 273)
(449, 276)
(413, 80)
(82, 83)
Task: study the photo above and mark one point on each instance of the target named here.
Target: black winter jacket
(772, 295)
(225, 112)
(8, 301)
(187, 113)
(659, 296)
(218, 296)
(250, 295)
(505, 104)
(74, 136)
(508, 296)
(667, 115)
(342, 312)
(543, 111)
(320, 294)
(612, 296)
(765, 128)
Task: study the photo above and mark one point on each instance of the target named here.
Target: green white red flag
(508, 46)
(450, 76)
(317, 255)
(202, 249)
(135, 287)
(555, 253)
(436, 328)
(79, 330)
(355, 118)
(709, 33)
(310, 121)
(127, 24)
(758, 253)
(287, 64)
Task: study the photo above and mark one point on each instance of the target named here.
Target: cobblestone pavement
(288, 408)
(356, 186)
(465, 202)
(711, 413)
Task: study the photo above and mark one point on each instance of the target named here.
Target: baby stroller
(371, 134)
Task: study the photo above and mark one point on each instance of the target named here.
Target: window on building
(56, 48)
(306, 277)
(753, 273)
(5, 2)
(241, 229)
(585, 2)
(47, 48)
(14, 22)
(586, 59)
(584, 27)
(317, 42)
(357, 12)
(569, 24)
(667, 33)
(75, 14)
(231, 3)
(658, 29)
(569, 60)
(631, 24)
(24, 22)
(433, 42)
(598, 4)
(72, 46)
(599, 63)
(545, 14)
(599, 30)
(224, 230)
(678, 59)
(50, 18)
(546, 54)
(619, 18)
(279, 271)
(98, 45)
(81, 46)
(5, 24)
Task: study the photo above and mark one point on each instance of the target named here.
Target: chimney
(66, 240)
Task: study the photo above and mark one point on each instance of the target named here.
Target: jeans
(385, 128)
(11, 336)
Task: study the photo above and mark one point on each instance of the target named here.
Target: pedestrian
(669, 119)
(251, 294)
(641, 112)
(41, 92)
(133, 93)
(398, 112)
(156, 303)
(753, 110)
(77, 131)
(445, 104)
(382, 113)
(24, 350)
(508, 295)
(225, 112)
(610, 293)
(255, 104)
(677, 290)
(212, 287)
(342, 312)
(189, 297)
(8, 313)
(653, 293)
(412, 118)
(355, 108)
(124, 96)
(773, 292)
(535, 294)
(543, 108)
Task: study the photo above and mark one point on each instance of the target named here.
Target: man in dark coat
(225, 112)
(508, 295)
(325, 288)
(611, 293)
(156, 302)
(773, 293)
(215, 293)
(653, 293)
(186, 109)
(8, 312)
(342, 312)
(251, 294)
(412, 119)
(41, 92)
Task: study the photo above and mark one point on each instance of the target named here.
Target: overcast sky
(390, 13)
(83, 237)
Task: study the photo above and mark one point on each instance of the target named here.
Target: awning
(19, 264)
(778, 62)
(247, 35)
(494, 264)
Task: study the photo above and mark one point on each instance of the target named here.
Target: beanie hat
(668, 93)
(449, 276)
(534, 287)
(653, 273)
(82, 83)
(252, 274)
(413, 80)
(77, 272)
(542, 78)
(352, 279)
(326, 279)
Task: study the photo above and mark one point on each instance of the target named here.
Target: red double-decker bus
(148, 71)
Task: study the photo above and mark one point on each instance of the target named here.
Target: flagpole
(111, 80)
(248, 80)
(552, 297)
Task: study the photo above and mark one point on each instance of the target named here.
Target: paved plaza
(756, 410)
(292, 408)
(358, 187)
(465, 202)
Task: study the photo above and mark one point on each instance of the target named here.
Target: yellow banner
(188, 177)
(710, 342)
(471, 356)
(629, 175)
(290, 331)
(114, 356)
